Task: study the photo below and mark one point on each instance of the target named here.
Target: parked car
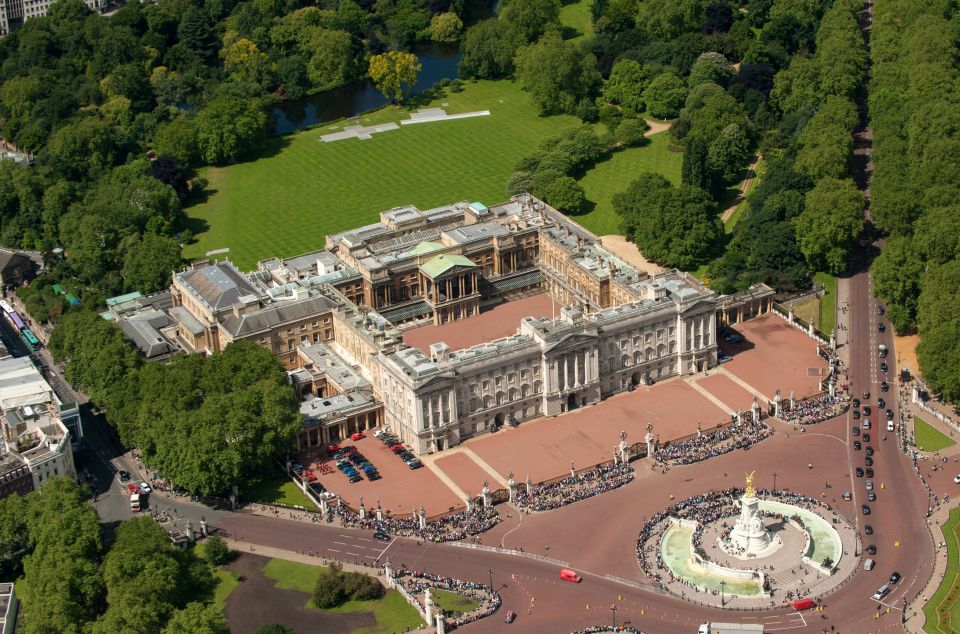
(871, 496)
(847, 496)
(869, 450)
(859, 471)
(868, 461)
(414, 464)
(856, 414)
(865, 509)
(866, 423)
(333, 448)
(373, 476)
(296, 467)
(880, 310)
(356, 477)
(866, 438)
(723, 358)
(895, 577)
(869, 485)
(857, 445)
(133, 488)
(871, 549)
(867, 529)
(881, 403)
(398, 449)
(956, 479)
(124, 476)
(309, 476)
(866, 410)
(869, 472)
(358, 436)
(511, 617)
(317, 487)
(856, 402)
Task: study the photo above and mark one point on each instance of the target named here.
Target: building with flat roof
(35, 429)
(336, 319)
(9, 608)
(13, 13)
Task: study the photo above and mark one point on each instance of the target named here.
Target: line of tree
(72, 584)
(916, 182)
(206, 423)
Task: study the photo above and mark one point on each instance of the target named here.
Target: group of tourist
(711, 444)
(416, 584)
(449, 528)
(705, 509)
(609, 628)
(816, 410)
(583, 485)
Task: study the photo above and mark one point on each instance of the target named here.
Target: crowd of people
(628, 629)
(705, 509)
(416, 583)
(583, 485)
(449, 528)
(816, 410)
(711, 444)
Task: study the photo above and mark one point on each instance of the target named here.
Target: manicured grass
(451, 602)
(392, 612)
(616, 173)
(284, 202)
(828, 303)
(292, 575)
(227, 582)
(943, 611)
(929, 438)
(577, 19)
(276, 490)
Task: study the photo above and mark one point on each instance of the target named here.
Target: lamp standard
(490, 572)
(775, 474)
(613, 612)
(722, 585)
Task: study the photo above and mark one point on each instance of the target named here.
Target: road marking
(333, 550)
(354, 554)
(387, 548)
(341, 543)
(364, 539)
(370, 557)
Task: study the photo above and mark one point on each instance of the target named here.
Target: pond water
(825, 538)
(439, 62)
(676, 547)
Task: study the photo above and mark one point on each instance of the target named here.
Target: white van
(866, 423)
(890, 426)
(868, 564)
(881, 592)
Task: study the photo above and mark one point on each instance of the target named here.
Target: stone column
(651, 447)
(793, 401)
(469, 501)
(576, 369)
(790, 315)
(810, 329)
(379, 511)
(777, 407)
(512, 487)
(362, 510)
(487, 499)
(529, 485)
(189, 530)
(203, 527)
(422, 518)
(428, 606)
(388, 573)
(323, 505)
(441, 625)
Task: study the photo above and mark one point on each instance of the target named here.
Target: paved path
(744, 186)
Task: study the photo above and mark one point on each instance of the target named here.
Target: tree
(215, 550)
(229, 127)
(245, 62)
(832, 219)
(695, 170)
(665, 96)
(178, 140)
(361, 587)
(729, 153)
(676, 227)
(329, 591)
(445, 27)
(631, 132)
(332, 62)
(149, 261)
(531, 18)
(897, 273)
(939, 356)
(78, 148)
(393, 72)
(519, 182)
(628, 79)
(556, 74)
(197, 618)
(710, 68)
(566, 195)
(488, 50)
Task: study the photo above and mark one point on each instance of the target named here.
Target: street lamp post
(722, 585)
(775, 474)
(613, 611)
(490, 572)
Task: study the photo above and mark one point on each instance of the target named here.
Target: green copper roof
(442, 263)
(425, 247)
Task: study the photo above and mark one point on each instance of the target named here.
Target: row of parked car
(394, 444)
(311, 479)
(352, 464)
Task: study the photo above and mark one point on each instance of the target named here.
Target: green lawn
(616, 173)
(828, 303)
(928, 438)
(577, 19)
(451, 602)
(300, 189)
(227, 582)
(276, 490)
(943, 611)
(392, 612)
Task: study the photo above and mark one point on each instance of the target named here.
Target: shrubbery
(335, 587)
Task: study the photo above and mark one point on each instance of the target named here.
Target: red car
(309, 476)
(133, 488)
(333, 448)
(397, 449)
(358, 436)
(511, 616)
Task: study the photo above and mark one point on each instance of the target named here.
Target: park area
(943, 611)
(309, 189)
(279, 591)
(929, 438)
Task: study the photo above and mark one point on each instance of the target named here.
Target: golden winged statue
(750, 492)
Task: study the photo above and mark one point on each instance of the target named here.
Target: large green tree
(897, 272)
(556, 74)
(394, 72)
(665, 96)
(149, 261)
(229, 127)
(831, 221)
(676, 227)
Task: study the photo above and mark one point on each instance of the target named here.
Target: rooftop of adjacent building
(30, 411)
(320, 358)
